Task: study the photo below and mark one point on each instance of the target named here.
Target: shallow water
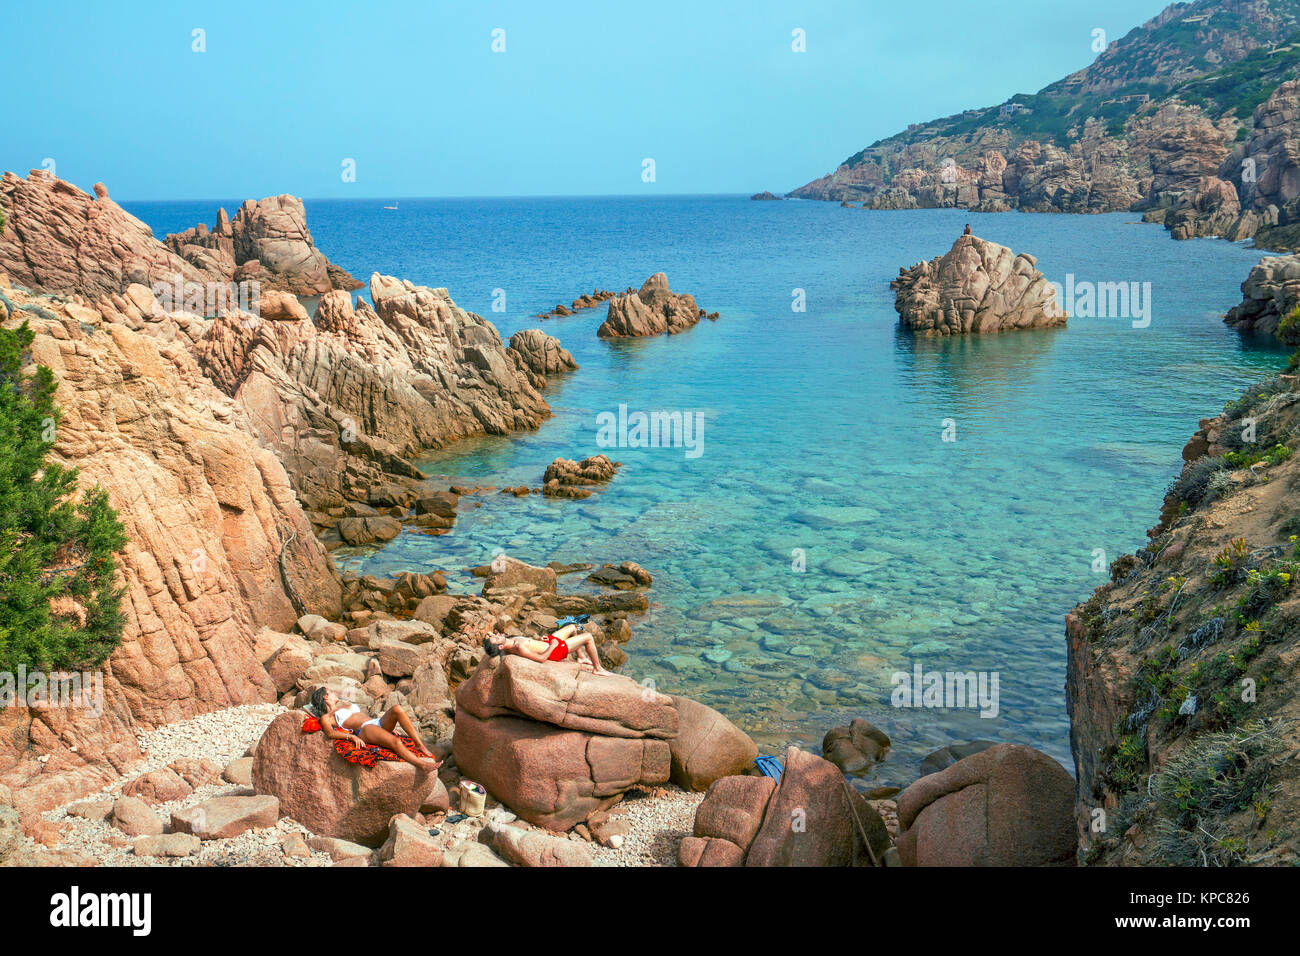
(823, 431)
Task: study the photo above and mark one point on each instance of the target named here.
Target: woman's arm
(333, 732)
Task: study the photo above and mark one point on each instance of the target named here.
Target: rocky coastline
(240, 449)
(1169, 121)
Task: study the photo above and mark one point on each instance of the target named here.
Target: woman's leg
(396, 715)
(377, 736)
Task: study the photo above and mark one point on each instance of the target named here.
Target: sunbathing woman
(346, 721)
(555, 647)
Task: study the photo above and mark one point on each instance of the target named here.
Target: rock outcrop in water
(1270, 296)
(267, 242)
(978, 286)
(651, 310)
(567, 478)
(540, 355)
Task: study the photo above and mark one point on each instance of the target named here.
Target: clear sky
(582, 94)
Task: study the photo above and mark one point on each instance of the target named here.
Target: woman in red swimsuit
(555, 647)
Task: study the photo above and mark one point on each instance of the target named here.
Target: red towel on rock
(364, 756)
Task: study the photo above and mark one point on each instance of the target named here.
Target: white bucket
(473, 798)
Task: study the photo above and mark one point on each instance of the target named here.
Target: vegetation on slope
(60, 606)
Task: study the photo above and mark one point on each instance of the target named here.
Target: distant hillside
(1142, 127)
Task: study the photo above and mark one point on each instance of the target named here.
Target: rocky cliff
(267, 242)
(218, 544)
(60, 239)
(1256, 190)
(977, 286)
(1149, 125)
(1270, 296)
(1181, 670)
(348, 398)
(227, 444)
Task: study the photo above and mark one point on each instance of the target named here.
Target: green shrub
(1193, 486)
(52, 546)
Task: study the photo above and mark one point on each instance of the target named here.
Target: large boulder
(549, 776)
(978, 286)
(567, 694)
(809, 821)
(409, 844)
(812, 818)
(707, 747)
(330, 796)
(541, 354)
(1009, 805)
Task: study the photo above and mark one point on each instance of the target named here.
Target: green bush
(52, 546)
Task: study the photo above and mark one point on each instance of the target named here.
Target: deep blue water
(823, 432)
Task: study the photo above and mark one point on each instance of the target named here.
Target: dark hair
(317, 702)
(492, 648)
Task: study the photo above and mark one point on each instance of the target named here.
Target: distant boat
(393, 206)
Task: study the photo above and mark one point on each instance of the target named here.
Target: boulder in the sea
(1007, 805)
(540, 354)
(855, 747)
(567, 478)
(977, 286)
(1270, 298)
(651, 310)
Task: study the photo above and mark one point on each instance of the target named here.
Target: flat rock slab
(223, 817)
(565, 694)
(167, 844)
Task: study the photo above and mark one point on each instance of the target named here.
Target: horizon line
(389, 198)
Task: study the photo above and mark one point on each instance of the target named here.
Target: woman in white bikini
(341, 720)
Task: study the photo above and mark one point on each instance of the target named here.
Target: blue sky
(584, 92)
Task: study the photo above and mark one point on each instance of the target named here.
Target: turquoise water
(823, 431)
